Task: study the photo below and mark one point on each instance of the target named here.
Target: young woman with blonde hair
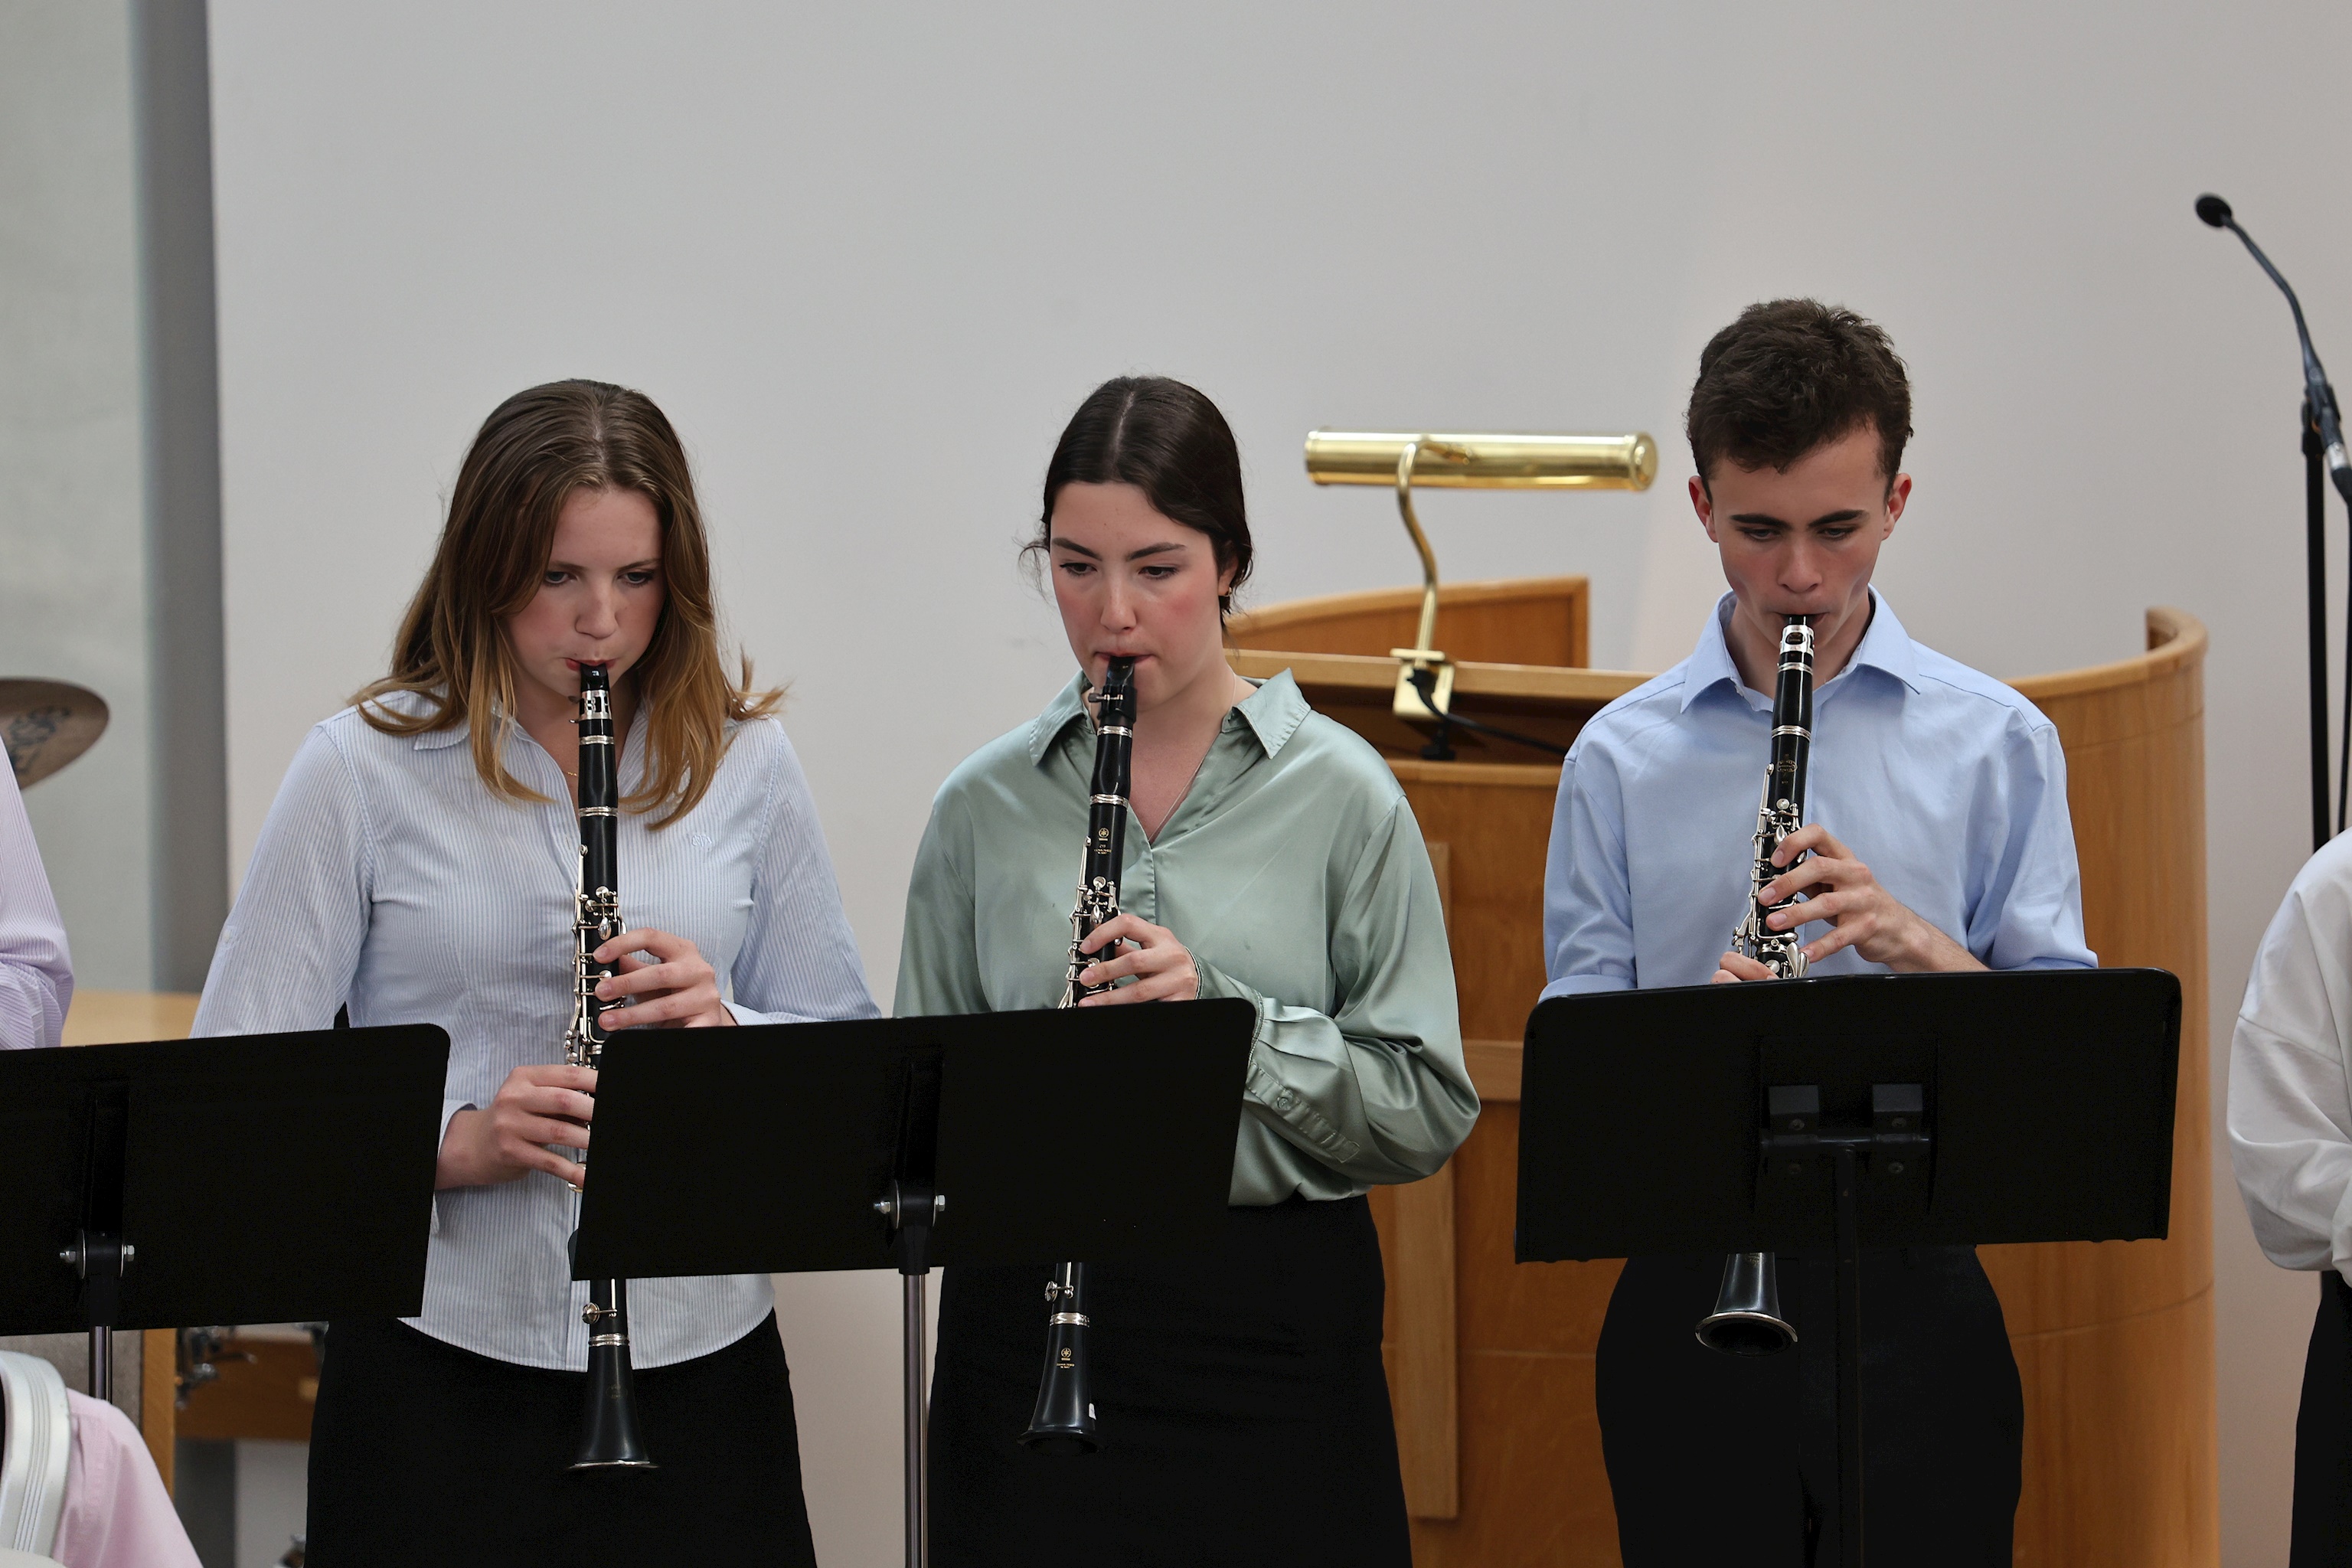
(417, 866)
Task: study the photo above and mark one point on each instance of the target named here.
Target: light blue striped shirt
(1951, 786)
(387, 876)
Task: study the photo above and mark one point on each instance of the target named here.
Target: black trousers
(425, 1454)
(2322, 1531)
(1244, 1410)
(1716, 1457)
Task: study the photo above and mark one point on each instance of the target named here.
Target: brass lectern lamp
(1425, 687)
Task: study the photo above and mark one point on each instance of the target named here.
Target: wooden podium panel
(1491, 1363)
(2115, 1340)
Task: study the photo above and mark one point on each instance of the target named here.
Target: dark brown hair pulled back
(1168, 441)
(530, 454)
(1790, 375)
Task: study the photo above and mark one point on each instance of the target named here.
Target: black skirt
(1244, 1409)
(424, 1453)
(1716, 1457)
(2322, 1530)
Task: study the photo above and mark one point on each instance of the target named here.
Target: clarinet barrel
(609, 1436)
(1063, 1419)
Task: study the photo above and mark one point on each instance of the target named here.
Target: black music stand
(1861, 1110)
(245, 1179)
(793, 1148)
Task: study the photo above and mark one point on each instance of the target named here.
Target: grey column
(187, 713)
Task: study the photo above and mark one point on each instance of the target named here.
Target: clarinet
(609, 1438)
(1063, 1420)
(1746, 1319)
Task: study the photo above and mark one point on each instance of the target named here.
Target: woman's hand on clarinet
(535, 1107)
(1162, 969)
(678, 990)
(1862, 915)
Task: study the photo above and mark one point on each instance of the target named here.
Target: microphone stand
(2322, 453)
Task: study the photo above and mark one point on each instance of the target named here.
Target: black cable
(1425, 683)
(2344, 756)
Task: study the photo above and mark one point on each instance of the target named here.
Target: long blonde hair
(533, 453)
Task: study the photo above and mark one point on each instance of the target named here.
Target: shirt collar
(1272, 713)
(408, 705)
(434, 740)
(1885, 645)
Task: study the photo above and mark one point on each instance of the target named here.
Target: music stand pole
(98, 1262)
(912, 1212)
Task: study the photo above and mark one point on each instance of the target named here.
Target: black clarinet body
(1746, 1320)
(1063, 1419)
(609, 1438)
(1782, 810)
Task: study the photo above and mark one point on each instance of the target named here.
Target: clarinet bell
(609, 1438)
(1746, 1319)
(1063, 1419)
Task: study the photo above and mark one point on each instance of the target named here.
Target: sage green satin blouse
(1292, 871)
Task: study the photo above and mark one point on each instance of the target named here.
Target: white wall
(869, 258)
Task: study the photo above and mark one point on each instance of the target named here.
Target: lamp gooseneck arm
(1428, 633)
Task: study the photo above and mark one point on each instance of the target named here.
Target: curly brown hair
(1790, 375)
(532, 453)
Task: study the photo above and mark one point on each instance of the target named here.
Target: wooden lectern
(1490, 1363)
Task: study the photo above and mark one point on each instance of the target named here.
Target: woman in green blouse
(1244, 1409)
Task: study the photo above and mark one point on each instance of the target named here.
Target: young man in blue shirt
(1938, 840)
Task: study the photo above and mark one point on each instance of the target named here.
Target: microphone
(2216, 214)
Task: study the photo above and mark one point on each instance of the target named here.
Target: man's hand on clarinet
(1862, 914)
(537, 1106)
(1162, 969)
(678, 990)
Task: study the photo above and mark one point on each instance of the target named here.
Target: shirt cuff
(1264, 1086)
(1584, 986)
(449, 1109)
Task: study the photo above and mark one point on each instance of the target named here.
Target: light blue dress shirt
(1948, 784)
(387, 876)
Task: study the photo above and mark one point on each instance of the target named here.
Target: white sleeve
(2290, 1113)
(798, 963)
(36, 974)
(292, 942)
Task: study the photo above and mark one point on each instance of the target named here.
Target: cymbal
(47, 725)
